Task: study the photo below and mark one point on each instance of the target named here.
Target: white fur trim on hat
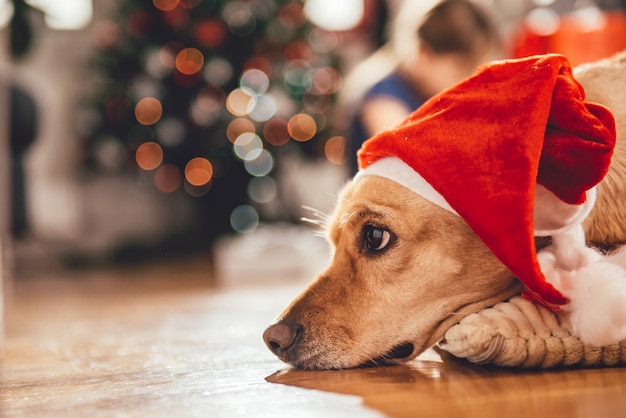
(552, 215)
(393, 168)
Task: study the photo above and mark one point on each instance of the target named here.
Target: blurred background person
(429, 50)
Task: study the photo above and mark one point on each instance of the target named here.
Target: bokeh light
(174, 18)
(240, 102)
(171, 131)
(259, 63)
(255, 80)
(143, 86)
(167, 178)
(198, 171)
(189, 61)
(335, 150)
(248, 146)
(327, 80)
(218, 71)
(292, 16)
(261, 165)
(153, 65)
(298, 51)
(57, 14)
(264, 108)
(244, 218)
(211, 98)
(543, 21)
(590, 18)
(237, 127)
(148, 111)
(107, 33)
(168, 52)
(262, 189)
(201, 117)
(275, 132)
(210, 33)
(239, 17)
(297, 77)
(149, 155)
(110, 153)
(322, 41)
(302, 127)
(316, 102)
(165, 5)
(334, 15)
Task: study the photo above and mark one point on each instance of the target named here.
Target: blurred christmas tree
(203, 94)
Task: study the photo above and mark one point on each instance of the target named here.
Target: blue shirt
(394, 86)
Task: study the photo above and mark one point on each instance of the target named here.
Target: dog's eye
(376, 238)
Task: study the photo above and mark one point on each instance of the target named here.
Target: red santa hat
(516, 151)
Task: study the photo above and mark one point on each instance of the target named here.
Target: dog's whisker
(320, 232)
(318, 222)
(318, 213)
(319, 219)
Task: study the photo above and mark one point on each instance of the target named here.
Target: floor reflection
(436, 387)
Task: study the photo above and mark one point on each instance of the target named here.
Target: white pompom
(594, 284)
(598, 303)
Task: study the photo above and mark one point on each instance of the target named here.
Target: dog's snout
(280, 336)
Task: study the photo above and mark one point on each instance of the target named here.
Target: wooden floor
(160, 341)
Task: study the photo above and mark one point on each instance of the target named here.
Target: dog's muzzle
(282, 339)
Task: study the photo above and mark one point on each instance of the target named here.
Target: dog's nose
(281, 336)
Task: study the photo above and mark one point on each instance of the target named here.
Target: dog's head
(402, 272)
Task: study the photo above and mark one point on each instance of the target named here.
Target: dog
(372, 307)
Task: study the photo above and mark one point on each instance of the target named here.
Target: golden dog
(372, 306)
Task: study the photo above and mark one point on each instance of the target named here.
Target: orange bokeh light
(240, 102)
(149, 155)
(237, 127)
(148, 111)
(165, 5)
(189, 61)
(335, 150)
(302, 127)
(198, 171)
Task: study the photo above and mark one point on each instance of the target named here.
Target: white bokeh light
(248, 146)
(65, 14)
(335, 15)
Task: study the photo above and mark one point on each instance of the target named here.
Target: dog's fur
(388, 306)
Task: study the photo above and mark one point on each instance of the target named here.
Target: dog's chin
(401, 353)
